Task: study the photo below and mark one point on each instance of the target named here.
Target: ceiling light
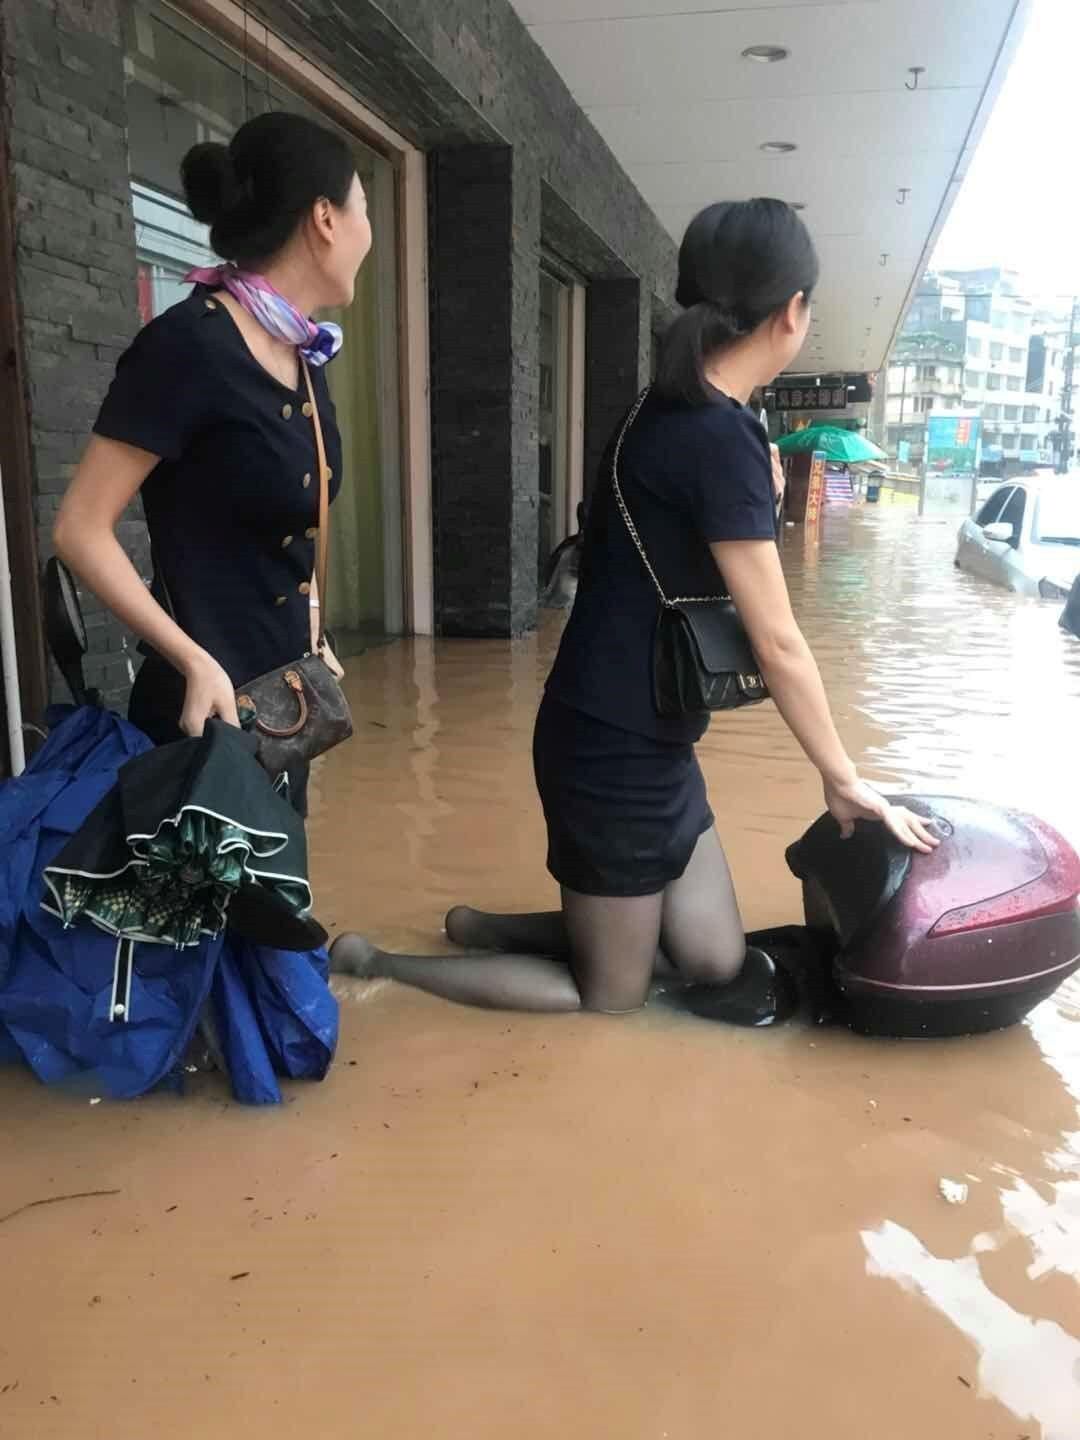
(765, 54)
(779, 147)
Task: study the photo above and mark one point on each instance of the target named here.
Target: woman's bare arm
(105, 483)
(755, 581)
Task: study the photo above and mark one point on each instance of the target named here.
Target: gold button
(304, 588)
(329, 473)
(310, 534)
(211, 304)
(286, 412)
(287, 542)
(281, 599)
(307, 481)
(306, 408)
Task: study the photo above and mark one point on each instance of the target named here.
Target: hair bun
(210, 184)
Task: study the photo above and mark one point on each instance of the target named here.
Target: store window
(185, 86)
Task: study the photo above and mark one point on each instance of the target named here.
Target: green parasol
(847, 447)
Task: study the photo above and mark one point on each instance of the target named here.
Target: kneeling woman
(631, 840)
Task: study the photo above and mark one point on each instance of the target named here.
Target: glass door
(186, 86)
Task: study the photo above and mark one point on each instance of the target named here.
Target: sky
(1020, 203)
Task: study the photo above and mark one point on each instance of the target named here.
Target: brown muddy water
(650, 1228)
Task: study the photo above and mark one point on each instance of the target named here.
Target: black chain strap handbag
(702, 657)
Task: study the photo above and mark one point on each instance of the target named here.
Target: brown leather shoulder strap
(322, 553)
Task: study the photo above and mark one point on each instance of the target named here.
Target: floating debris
(953, 1191)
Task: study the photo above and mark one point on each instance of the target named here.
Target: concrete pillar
(484, 239)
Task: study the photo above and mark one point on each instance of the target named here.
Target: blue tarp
(273, 1008)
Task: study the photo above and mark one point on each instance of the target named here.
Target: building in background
(972, 341)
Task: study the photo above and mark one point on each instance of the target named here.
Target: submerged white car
(1026, 537)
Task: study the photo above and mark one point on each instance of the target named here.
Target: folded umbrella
(59, 983)
(192, 837)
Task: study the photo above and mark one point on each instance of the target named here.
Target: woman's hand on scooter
(856, 800)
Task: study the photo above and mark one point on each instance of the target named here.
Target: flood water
(650, 1228)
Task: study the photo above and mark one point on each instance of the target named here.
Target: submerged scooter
(968, 939)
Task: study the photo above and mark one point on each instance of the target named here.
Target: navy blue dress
(232, 508)
(623, 794)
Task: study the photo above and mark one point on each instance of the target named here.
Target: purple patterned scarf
(317, 343)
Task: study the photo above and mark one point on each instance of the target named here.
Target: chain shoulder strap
(632, 528)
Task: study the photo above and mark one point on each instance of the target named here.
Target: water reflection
(971, 688)
(1032, 1366)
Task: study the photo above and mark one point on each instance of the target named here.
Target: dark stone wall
(75, 253)
(484, 235)
(618, 348)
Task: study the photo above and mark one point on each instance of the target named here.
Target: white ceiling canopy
(877, 163)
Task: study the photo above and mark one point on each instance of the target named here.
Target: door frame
(407, 526)
(569, 491)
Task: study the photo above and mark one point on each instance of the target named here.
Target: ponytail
(739, 262)
(691, 338)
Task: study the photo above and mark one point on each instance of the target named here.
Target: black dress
(232, 508)
(622, 791)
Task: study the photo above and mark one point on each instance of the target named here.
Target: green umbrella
(847, 447)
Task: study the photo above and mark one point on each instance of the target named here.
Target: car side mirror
(999, 531)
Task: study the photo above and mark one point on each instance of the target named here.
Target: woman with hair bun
(631, 838)
(209, 419)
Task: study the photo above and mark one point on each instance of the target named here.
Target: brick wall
(75, 259)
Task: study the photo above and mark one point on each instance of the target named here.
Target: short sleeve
(726, 477)
(161, 393)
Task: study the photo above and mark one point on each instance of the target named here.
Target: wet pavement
(653, 1228)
